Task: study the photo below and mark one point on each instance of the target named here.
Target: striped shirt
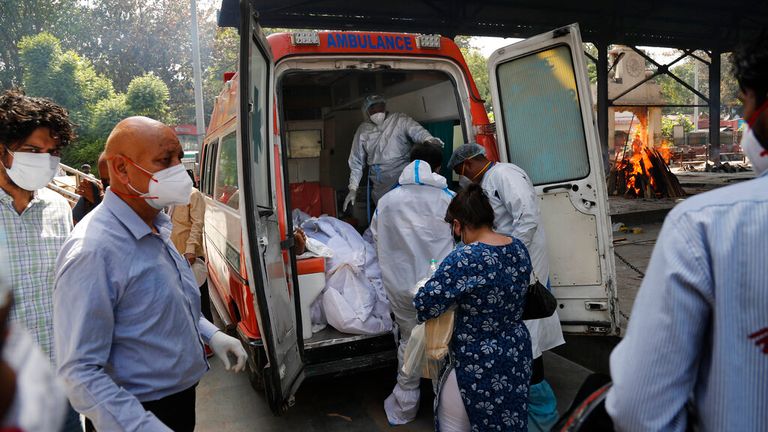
(31, 241)
(695, 328)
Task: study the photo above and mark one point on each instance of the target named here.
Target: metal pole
(695, 96)
(602, 100)
(714, 106)
(197, 75)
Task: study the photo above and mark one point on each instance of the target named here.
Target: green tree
(64, 77)
(224, 55)
(591, 49)
(675, 93)
(20, 18)
(668, 124)
(148, 96)
(107, 113)
(478, 67)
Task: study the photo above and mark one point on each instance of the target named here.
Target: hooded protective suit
(385, 149)
(517, 214)
(409, 230)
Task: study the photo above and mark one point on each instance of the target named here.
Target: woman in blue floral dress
(489, 367)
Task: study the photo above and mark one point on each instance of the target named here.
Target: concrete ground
(227, 403)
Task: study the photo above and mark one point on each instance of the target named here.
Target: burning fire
(645, 173)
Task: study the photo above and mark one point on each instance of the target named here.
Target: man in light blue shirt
(127, 323)
(699, 327)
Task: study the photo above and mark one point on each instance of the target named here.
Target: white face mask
(32, 171)
(167, 187)
(378, 118)
(464, 181)
(755, 152)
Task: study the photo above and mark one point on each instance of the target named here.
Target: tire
(255, 366)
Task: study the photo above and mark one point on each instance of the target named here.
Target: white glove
(436, 141)
(350, 199)
(222, 345)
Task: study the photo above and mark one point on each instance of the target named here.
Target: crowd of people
(113, 312)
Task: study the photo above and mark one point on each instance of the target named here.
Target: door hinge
(287, 243)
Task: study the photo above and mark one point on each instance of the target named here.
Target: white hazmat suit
(409, 230)
(517, 214)
(385, 149)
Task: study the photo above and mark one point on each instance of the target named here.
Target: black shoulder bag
(539, 301)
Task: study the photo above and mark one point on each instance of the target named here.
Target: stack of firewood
(644, 177)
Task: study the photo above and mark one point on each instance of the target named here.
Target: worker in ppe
(409, 231)
(382, 142)
(517, 214)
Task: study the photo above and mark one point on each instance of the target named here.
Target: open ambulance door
(543, 109)
(262, 246)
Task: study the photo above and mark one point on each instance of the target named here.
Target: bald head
(137, 148)
(135, 136)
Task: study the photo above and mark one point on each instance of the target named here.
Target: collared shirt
(187, 234)
(127, 317)
(694, 323)
(31, 241)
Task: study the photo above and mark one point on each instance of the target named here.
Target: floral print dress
(490, 347)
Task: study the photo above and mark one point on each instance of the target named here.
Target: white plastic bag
(415, 352)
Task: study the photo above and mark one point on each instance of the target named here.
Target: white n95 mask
(378, 118)
(755, 152)
(167, 187)
(32, 171)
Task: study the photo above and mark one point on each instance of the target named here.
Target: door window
(226, 173)
(258, 84)
(543, 125)
(209, 162)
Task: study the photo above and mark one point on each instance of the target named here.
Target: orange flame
(639, 164)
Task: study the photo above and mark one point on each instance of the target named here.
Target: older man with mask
(128, 327)
(382, 142)
(516, 208)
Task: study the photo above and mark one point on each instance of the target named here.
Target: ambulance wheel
(255, 366)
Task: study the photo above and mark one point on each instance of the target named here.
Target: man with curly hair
(696, 349)
(35, 221)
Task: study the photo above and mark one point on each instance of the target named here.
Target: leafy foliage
(148, 96)
(675, 93)
(19, 18)
(668, 124)
(73, 82)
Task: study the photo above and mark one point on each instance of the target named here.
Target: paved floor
(227, 403)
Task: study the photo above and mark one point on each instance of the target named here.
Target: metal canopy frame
(604, 102)
(711, 25)
(693, 24)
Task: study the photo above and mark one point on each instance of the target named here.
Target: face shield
(370, 101)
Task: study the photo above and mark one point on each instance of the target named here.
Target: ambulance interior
(321, 111)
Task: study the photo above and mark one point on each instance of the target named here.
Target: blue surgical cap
(464, 152)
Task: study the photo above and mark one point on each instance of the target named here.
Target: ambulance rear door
(544, 121)
(262, 242)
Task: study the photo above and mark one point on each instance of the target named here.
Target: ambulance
(279, 140)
